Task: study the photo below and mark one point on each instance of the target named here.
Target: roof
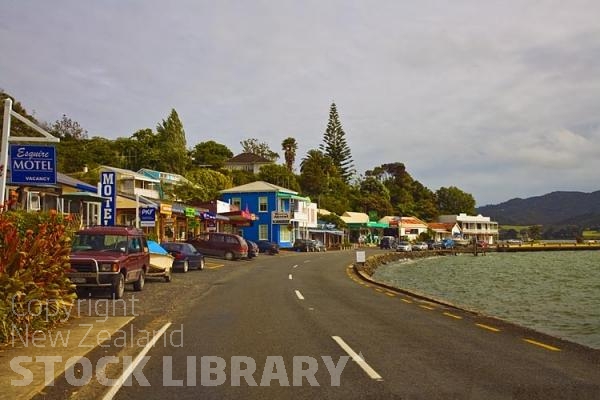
(75, 183)
(350, 217)
(406, 221)
(257, 186)
(247, 158)
(441, 226)
(413, 221)
(130, 173)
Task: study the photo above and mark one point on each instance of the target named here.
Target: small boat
(161, 262)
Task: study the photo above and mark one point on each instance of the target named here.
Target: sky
(498, 98)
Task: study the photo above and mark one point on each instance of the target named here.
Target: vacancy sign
(32, 164)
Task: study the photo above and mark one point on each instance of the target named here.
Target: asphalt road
(279, 326)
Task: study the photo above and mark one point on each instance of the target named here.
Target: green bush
(35, 292)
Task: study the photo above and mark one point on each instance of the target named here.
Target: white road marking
(358, 359)
(299, 295)
(295, 266)
(290, 276)
(307, 261)
(119, 383)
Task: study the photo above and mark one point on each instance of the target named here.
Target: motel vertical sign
(108, 190)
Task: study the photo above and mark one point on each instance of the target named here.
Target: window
(263, 232)
(34, 201)
(236, 201)
(263, 205)
(285, 234)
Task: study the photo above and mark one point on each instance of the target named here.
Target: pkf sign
(147, 216)
(108, 189)
(32, 164)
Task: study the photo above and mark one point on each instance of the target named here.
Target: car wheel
(185, 267)
(201, 266)
(138, 285)
(229, 256)
(118, 287)
(168, 277)
(82, 293)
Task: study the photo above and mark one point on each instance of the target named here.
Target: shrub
(35, 292)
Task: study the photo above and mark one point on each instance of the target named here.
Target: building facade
(280, 215)
(475, 227)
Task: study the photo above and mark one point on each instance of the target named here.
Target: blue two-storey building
(281, 215)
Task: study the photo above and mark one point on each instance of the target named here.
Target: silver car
(403, 246)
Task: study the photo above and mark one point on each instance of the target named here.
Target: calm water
(553, 292)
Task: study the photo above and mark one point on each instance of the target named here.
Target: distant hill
(552, 209)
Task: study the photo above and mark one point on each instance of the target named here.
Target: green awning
(292, 196)
(372, 224)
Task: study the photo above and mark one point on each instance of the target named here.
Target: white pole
(137, 210)
(4, 148)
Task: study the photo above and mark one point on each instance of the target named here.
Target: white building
(474, 226)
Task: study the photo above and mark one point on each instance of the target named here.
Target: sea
(554, 292)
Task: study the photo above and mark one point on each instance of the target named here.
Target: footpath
(31, 363)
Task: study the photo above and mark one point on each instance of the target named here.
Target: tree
(289, 147)
(17, 127)
(375, 197)
(67, 129)
(259, 148)
(211, 154)
(454, 201)
(279, 175)
(172, 145)
(316, 172)
(334, 145)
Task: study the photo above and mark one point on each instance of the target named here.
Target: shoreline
(366, 270)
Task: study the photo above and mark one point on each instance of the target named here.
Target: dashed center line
(299, 295)
(357, 359)
(290, 277)
(489, 328)
(426, 307)
(447, 314)
(406, 300)
(295, 266)
(542, 345)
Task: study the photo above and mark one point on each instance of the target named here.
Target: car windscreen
(98, 242)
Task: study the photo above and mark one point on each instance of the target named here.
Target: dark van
(218, 244)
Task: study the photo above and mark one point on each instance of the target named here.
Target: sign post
(8, 113)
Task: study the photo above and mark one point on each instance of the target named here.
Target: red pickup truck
(109, 257)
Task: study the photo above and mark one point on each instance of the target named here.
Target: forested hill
(556, 208)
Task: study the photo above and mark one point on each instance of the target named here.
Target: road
(279, 326)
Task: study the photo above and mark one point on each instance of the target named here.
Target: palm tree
(289, 147)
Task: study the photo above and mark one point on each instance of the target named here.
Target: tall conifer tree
(334, 145)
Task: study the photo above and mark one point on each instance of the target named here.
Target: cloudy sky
(498, 98)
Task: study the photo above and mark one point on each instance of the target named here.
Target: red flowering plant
(35, 293)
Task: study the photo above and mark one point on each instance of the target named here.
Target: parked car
(109, 257)
(403, 246)
(420, 246)
(304, 245)
(264, 246)
(387, 242)
(320, 246)
(434, 244)
(186, 256)
(252, 249)
(219, 244)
